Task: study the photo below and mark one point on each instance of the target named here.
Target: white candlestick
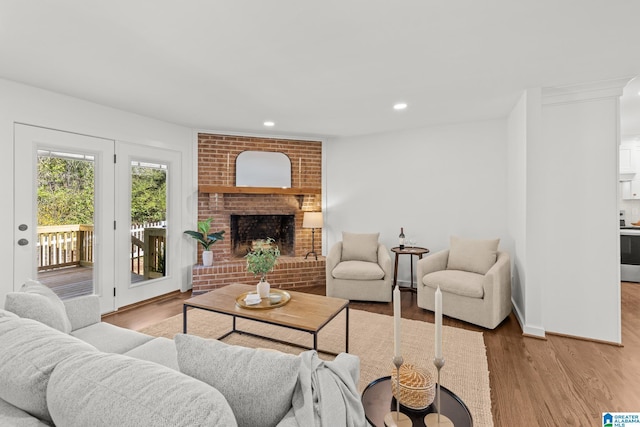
(396, 321)
(438, 323)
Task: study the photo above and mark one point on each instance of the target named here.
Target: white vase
(207, 258)
(263, 288)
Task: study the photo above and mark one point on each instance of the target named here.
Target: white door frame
(28, 140)
(128, 293)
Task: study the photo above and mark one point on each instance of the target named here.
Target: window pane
(148, 220)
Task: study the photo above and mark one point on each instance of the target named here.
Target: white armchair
(359, 268)
(474, 278)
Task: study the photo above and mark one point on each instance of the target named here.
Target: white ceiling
(330, 67)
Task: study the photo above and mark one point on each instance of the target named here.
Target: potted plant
(206, 239)
(262, 259)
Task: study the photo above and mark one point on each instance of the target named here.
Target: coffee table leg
(315, 341)
(184, 319)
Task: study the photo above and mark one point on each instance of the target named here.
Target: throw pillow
(90, 389)
(360, 247)
(258, 384)
(36, 301)
(474, 256)
(29, 353)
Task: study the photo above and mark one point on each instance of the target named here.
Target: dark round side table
(378, 401)
(413, 250)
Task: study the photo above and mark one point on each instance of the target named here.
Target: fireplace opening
(245, 229)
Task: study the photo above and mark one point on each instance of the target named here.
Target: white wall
(573, 174)
(524, 133)
(434, 182)
(25, 104)
(517, 202)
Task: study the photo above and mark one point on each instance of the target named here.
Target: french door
(147, 218)
(64, 212)
(96, 216)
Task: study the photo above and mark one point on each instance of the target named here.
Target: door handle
(23, 242)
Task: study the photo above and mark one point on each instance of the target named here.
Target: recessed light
(400, 106)
(269, 123)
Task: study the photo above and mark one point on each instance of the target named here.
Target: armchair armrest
(83, 311)
(333, 257)
(431, 263)
(384, 260)
(497, 281)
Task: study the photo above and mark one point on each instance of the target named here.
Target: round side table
(378, 401)
(413, 250)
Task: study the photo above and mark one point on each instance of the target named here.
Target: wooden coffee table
(304, 312)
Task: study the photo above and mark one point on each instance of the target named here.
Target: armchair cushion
(456, 282)
(360, 247)
(474, 256)
(358, 270)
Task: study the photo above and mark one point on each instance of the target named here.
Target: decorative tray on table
(277, 298)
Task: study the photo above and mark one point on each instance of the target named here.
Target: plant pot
(207, 258)
(263, 288)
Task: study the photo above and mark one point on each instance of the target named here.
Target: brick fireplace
(248, 213)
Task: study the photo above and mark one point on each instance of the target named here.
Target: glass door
(147, 235)
(64, 212)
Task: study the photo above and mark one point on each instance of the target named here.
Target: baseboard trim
(577, 337)
(145, 302)
(527, 331)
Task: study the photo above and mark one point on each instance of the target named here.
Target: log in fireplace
(245, 229)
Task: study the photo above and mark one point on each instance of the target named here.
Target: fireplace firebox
(245, 229)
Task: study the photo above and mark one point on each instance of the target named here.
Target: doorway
(95, 216)
(63, 212)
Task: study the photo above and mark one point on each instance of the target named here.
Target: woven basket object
(417, 386)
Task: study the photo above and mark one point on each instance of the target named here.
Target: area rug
(465, 372)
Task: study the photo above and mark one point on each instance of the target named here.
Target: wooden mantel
(256, 190)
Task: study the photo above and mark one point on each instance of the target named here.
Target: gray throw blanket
(326, 394)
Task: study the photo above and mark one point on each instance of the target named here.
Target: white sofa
(99, 374)
(474, 278)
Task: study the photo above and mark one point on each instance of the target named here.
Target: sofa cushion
(29, 353)
(15, 417)
(91, 389)
(475, 256)
(5, 313)
(456, 282)
(159, 350)
(110, 338)
(258, 384)
(360, 247)
(358, 270)
(36, 301)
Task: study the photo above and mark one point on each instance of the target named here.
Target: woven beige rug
(465, 373)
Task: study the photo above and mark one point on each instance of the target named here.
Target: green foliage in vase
(263, 257)
(203, 236)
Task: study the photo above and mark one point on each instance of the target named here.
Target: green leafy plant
(203, 236)
(263, 257)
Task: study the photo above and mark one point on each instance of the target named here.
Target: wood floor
(558, 381)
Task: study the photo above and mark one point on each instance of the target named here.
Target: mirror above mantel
(261, 172)
(263, 169)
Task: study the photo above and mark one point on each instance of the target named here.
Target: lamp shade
(312, 220)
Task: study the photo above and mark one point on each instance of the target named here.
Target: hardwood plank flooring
(534, 382)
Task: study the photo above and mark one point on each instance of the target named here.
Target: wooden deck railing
(72, 245)
(65, 246)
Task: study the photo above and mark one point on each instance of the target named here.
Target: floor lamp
(312, 220)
